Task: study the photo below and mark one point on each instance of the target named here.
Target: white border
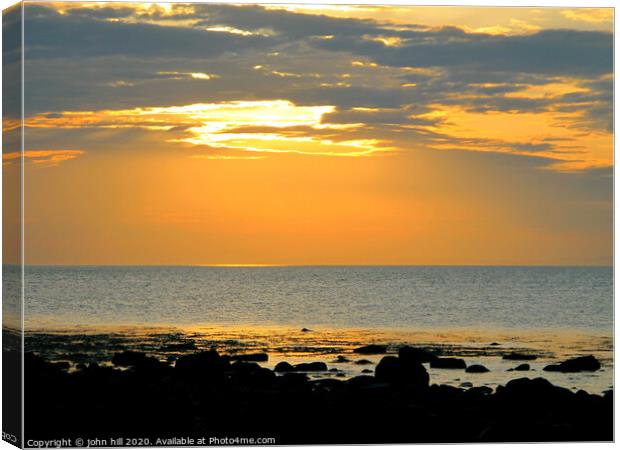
(484, 3)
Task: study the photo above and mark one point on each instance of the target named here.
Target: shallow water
(83, 314)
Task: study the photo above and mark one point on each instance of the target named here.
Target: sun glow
(269, 126)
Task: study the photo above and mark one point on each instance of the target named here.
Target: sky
(221, 134)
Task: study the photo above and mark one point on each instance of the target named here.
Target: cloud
(251, 126)
(382, 81)
(46, 158)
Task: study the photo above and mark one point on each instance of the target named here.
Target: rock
(294, 381)
(448, 363)
(363, 362)
(361, 381)
(416, 354)
(534, 392)
(466, 384)
(283, 366)
(327, 385)
(394, 370)
(476, 368)
(444, 392)
(251, 374)
(207, 365)
(478, 391)
(305, 330)
(580, 364)
(372, 349)
(139, 361)
(519, 357)
(494, 344)
(367, 371)
(311, 367)
(341, 359)
(129, 358)
(522, 367)
(333, 370)
(251, 357)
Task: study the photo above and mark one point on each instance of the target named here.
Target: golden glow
(216, 125)
(43, 157)
(590, 15)
(503, 131)
(195, 75)
(316, 156)
(388, 41)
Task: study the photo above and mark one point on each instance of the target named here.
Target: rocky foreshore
(206, 394)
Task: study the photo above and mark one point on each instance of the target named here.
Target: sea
(302, 313)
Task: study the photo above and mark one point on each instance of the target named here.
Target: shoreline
(292, 344)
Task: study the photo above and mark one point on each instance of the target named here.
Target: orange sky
(297, 146)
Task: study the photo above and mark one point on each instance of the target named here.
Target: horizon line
(260, 265)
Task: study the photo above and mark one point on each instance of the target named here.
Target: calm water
(530, 298)
(83, 314)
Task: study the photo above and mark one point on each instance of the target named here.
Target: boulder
(283, 366)
(372, 349)
(361, 381)
(208, 364)
(448, 363)
(534, 394)
(139, 361)
(416, 354)
(129, 358)
(341, 359)
(521, 367)
(476, 368)
(363, 362)
(580, 364)
(311, 367)
(251, 374)
(394, 370)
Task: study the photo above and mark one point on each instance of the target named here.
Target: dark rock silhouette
(311, 367)
(372, 349)
(416, 354)
(476, 368)
(448, 363)
(341, 359)
(303, 367)
(363, 362)
(580, 364)
(520, 368)
(283, 366)
(399, 371)
(204, 391)
(207, 366)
